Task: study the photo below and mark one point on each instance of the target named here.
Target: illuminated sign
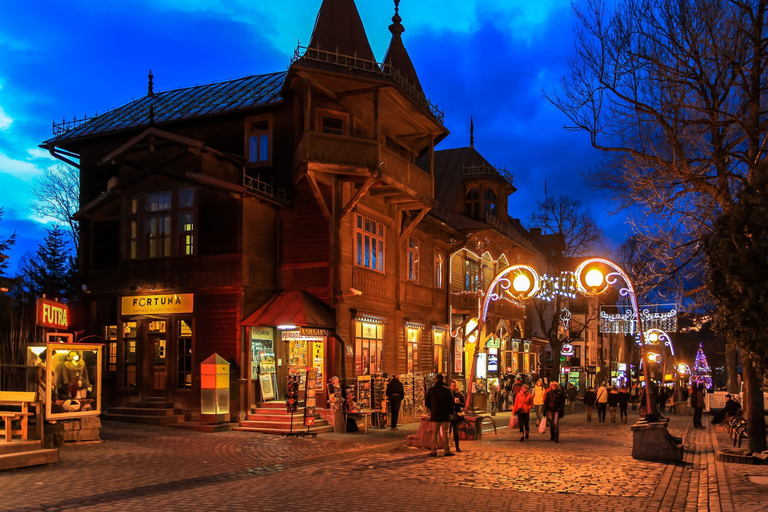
(52, 314)
(493, 360)
(567, 349)
(158, 304)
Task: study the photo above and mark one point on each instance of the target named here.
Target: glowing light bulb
(521, 283)
(594, 278)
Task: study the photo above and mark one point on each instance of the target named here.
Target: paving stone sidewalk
(162, 468)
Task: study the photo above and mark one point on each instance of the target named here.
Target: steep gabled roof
(339, 29)
(450, 166)
(179, 104)
(397, 56)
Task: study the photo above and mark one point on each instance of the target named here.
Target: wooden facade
(324, 179)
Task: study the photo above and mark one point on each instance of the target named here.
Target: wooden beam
(318, 195)
(357, 197)
(412, 225)
(317, 86)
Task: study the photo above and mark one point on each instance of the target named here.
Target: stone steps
(20, 454)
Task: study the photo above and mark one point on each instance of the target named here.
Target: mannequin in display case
(74, 377)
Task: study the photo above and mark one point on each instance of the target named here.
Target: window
(160, 224)
(184, 368)
(439, 268)
(368, 340)
(333, 125)
(412, 349)
(259, 141)
(471, 276)
(369, 244)
(472, 203)
(490, 199)
(438, 338)
(332, 122)
(413, 259)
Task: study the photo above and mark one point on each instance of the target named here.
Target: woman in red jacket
(522, 408)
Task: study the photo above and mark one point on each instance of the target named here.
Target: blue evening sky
(489, 59)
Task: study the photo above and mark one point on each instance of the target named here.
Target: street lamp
(521, 282)
(592, 280)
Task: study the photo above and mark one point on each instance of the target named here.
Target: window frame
(249, 133)
(362, 239)
(414, 249)
(439, 269)
(322, 113)
(137, 240)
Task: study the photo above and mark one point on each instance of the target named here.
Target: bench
(20, 400)
(738, 427)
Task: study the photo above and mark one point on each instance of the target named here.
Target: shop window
(490, 201)
(368, 344)
(369, 244)
(412, 349)
(259, 141)
(472, 275)
(413, 259)
(129, 354)
(438, 338)
(472, 203)
(184, 361)
(439, 268)
(458, 355)
(161, 224)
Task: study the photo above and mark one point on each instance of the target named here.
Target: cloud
(19, 169)
(5, 120)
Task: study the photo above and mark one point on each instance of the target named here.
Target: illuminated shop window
(368, 342)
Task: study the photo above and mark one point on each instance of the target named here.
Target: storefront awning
(292, 308)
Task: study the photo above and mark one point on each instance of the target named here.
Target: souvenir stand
(292, 400)
(406, 408)
(419, 395)
(336, 404)
(379, 401)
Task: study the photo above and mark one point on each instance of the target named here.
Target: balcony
(335, 153)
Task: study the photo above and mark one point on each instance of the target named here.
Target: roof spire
(150, 85)
(396, 27)
(471, 132)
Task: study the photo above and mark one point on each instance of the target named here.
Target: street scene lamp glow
(653, 357)
(594, 278)
(521, 284)
(653, 337)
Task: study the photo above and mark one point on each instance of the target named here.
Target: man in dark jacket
(589, 401)
(395, 394)
(439, 401)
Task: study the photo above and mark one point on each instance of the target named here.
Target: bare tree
(566, 217)
(579, 234)
(673, 93)
(57, 195)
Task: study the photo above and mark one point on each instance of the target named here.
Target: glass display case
(72, 376)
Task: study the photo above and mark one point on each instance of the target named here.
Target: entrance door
(157, 349)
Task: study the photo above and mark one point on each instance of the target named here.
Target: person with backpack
(602, 402)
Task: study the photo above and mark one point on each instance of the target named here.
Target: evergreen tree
(5, 246)
(702, 373)
(50, 271)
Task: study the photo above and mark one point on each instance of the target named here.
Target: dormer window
(490, 201)
(259, 141)
(472, 203)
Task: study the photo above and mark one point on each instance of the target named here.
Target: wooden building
(288, 221)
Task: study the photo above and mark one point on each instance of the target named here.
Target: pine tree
(702, 373)
(50, 271)
(5, 246)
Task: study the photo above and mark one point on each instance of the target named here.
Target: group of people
(446, 412)
(606, 399)
(549, 401)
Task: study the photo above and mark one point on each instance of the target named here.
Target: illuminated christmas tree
(701, 373)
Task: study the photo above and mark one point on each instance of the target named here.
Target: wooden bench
(20, 400)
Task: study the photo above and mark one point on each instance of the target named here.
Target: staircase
(20, 454)
(272, 418)
(154, 411)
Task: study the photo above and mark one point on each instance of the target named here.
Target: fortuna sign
(52, 314)
(158, 304)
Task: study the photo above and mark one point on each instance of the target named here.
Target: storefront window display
(438, 340)
(262, 365)
(368, 343)
(72, 379)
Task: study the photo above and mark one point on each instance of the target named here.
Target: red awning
(292, 308)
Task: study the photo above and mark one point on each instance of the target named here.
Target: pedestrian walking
(554, 407)
(439, 401)
(675, 399)
(623, 403)
(494, 398)
(538, 393)
(697, 396)
(642, 401)
(602, 402)
(395, 394)
(589, 401)
(572, 394)
(613, 402)
(522, 408)
(634, 389)
(458, 413)
(661, 399)
(516, 387)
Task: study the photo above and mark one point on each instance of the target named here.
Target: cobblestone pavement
(163, 468)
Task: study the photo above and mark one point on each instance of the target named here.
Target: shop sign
(52, 314)
(567, 349)
(312, 331)
(267, 363)
(297, 335)
(565, 369)
(577, 369)
(267, 391)
(493, 360)
(592, 369)
(494, 343)
(157, 304)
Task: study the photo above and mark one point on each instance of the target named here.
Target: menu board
(310, 399)
(267, 391)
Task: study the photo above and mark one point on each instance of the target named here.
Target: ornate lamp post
(592, 280)
(520, 282)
